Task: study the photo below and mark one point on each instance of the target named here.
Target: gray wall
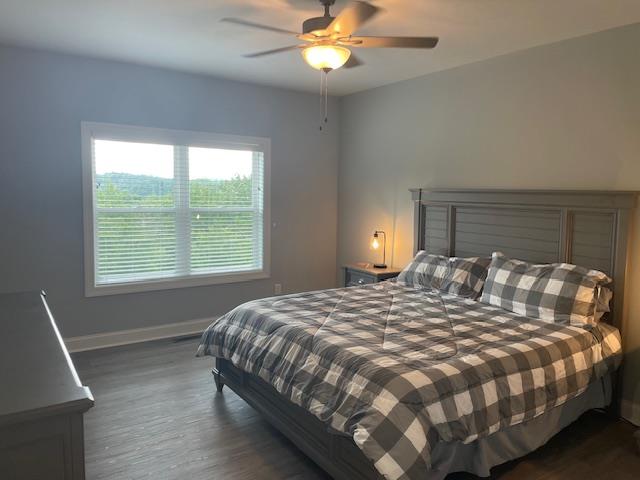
(565, 115)
(43, 99)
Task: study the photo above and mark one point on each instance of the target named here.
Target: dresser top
(37, 375)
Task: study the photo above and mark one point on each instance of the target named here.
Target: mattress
(402, 370)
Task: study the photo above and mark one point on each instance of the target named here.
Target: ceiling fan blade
(271, 52)
(393, 42)
(352, 17)
(353, 62)
(307, 37)
(246, 23)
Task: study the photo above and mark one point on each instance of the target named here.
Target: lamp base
(379, 265)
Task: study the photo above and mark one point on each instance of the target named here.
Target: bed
(351, 377)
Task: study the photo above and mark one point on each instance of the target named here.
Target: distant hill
(145, 185)
(124, 188)
(142, 185)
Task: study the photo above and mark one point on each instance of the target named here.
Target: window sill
(173, 283)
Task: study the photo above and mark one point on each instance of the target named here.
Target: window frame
(132, 133)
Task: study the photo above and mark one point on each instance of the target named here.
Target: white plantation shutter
(166, 212)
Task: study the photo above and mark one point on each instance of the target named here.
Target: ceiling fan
(329, 39)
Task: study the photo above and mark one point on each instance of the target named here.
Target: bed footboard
(334, 452)
(217, 376)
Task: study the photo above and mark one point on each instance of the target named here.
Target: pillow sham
(458, 276)
(554, 292)
(603, 301)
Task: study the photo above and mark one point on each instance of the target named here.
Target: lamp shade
(326, 56)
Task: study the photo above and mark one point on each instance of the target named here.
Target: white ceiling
(186, 34)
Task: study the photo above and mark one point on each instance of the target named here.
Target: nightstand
(364, 274)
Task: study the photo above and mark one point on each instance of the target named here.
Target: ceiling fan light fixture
(323, 57)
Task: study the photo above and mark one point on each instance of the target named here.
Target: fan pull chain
(324, 96)
(321, 95)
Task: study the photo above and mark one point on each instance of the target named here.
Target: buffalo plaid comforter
(399, 369)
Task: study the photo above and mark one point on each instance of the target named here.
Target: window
(169, 209)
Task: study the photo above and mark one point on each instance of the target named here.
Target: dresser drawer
(353, 279)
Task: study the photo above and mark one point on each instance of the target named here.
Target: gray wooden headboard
(587, 228)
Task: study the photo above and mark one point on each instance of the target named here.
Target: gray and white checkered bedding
(399, 368)
(458, 276)
(556, 292)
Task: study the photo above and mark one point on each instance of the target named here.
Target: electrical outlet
(277, 289)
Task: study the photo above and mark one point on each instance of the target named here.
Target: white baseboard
(136, 335)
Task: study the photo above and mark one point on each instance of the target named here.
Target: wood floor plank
(157, 416)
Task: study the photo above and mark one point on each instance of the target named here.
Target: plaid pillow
(459, 276)
(555, 292)
(604, 297)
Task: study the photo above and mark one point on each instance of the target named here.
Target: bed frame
(588, 228)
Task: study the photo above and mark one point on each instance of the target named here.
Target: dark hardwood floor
(157, 416)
